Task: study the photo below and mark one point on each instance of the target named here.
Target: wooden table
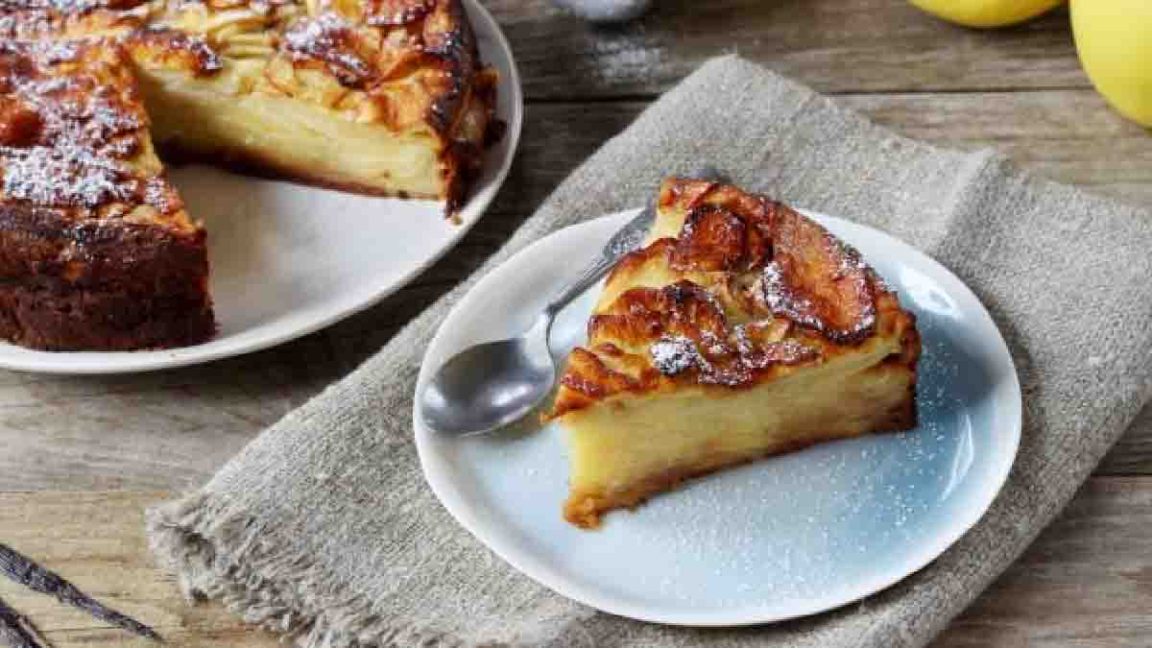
(80, 457)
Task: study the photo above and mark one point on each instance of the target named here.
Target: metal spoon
(491, 385)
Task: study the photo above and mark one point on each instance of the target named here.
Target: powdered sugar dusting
(72, 148)
(328, 38)
(672, 355)
(719, 361)
(159, 194)
(782, 300)
(205, 59)
(64, 176)
(398, 12)
(55, 52)
(93, 121)
(850, 261)
(68, 7)
(713, 344)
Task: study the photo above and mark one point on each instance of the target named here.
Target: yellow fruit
(1114, 38)
(987, 13)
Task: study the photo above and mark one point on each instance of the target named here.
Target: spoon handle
(627, 239)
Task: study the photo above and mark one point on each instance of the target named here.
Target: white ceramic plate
(289, 259)
(781, 538)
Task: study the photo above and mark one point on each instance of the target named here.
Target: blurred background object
(606, 11)
(988, 13)
(1114, 39)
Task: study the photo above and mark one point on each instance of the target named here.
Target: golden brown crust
(96, 250)
(734, 290)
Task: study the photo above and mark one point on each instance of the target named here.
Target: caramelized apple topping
(731, 289)
(331, 39)
(71, 130)
(398, 12)
(794, 267)
(410, 66)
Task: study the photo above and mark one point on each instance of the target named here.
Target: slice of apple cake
(96, 249)
(740, 329)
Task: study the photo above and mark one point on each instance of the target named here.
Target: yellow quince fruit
(1114, 38)
(987, 13)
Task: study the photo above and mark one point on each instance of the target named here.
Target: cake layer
(630, 449)
(60, 318)
(43, 247)
(280, 137)
(387, 99)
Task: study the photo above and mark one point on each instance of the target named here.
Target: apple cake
(96, 249)
(385, 97)
(740, 329)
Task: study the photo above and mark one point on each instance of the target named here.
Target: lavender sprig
(23, 570)
(15, 630)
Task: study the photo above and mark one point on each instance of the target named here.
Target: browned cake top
(404, 63)
(732, 289)
(74, 137)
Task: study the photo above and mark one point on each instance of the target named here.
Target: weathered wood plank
(1067, 135)
(1132, 455)
(833, 45)
(96, 540)
(1086, 582)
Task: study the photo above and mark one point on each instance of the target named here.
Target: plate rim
(447, 492)
(149, 360)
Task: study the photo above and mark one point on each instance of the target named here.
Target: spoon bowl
(490, 385)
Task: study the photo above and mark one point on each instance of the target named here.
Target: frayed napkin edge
(216, 552)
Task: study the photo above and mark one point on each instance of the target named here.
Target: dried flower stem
(23, 570)
(16, 631)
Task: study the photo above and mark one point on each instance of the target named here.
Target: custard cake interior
(740, 329)
(375, 96)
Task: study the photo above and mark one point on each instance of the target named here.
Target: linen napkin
(324, 528)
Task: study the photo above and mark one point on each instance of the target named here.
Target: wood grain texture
(1067, 135)
(1085, 582)
(833, 45)
(96, 540)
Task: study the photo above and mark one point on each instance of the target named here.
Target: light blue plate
(781, 538)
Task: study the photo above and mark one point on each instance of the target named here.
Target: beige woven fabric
(324, 527)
